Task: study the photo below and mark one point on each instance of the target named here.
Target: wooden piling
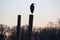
(30, 26)
(18, 27)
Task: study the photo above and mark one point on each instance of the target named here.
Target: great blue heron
(32, 7)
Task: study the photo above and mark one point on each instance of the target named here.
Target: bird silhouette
(32, 8)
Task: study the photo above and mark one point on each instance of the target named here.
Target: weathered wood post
(18, 27)
(1, 35)
(30, 26)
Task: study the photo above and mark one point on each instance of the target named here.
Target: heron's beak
(34, 4)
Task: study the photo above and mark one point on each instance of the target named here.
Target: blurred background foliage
(50, 32)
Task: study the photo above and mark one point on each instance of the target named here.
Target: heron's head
(32, 3)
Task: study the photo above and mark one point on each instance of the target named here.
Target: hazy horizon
(45, 11)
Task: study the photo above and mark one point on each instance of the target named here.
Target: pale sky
(45, 11)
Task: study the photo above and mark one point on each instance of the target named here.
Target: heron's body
(32, 8)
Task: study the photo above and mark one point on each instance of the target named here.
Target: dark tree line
(48, 33)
